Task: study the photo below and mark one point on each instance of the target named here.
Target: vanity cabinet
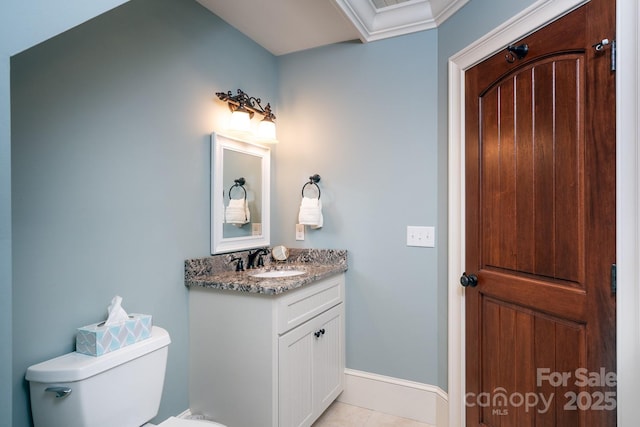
(311, 369)
(266, 360)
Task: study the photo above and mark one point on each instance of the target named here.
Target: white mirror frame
(219, 244)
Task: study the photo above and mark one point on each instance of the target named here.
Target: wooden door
(540, 229)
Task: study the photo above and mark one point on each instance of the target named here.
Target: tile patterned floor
(342, 415)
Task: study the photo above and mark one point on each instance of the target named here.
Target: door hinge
(614, 279)
(602, 44)
(613, 55)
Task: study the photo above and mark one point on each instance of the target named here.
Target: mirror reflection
(242, 175)
(239, 194)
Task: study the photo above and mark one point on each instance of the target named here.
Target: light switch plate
(421, 236)
(299, 232)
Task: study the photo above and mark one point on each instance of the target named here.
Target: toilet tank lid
(76, 366)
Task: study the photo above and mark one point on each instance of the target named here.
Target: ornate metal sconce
(243, 107)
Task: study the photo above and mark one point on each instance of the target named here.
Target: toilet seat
(179, 422)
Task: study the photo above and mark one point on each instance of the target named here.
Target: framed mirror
(240, 194)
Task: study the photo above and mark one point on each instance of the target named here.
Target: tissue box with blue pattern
(98, 338)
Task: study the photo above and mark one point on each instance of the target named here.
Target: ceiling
(286, 26)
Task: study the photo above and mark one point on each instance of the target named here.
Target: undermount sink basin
(278, 273)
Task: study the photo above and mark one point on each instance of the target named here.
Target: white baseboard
(186, 414)
(417, 401)
(408, 399)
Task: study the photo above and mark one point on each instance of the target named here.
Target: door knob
(469, 280)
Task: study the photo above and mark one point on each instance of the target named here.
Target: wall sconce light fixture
(243, 107)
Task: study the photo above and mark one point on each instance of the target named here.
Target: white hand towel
(311, 212)
(237, 212)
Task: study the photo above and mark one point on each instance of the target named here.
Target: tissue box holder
(98, 339)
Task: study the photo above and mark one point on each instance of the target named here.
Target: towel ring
(313, 180)
(238, 183)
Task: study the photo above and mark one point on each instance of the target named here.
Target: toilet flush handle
(59, 391)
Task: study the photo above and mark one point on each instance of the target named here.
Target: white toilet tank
(119, 389)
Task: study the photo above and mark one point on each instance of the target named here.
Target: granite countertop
(217, 271)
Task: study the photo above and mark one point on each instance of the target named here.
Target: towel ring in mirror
(239, 183)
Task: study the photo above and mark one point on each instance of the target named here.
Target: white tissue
(116, 312)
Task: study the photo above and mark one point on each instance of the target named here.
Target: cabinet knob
(318, 333)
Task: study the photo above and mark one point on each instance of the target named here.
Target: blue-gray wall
(110, 173)
(364, 118)
(23, 24)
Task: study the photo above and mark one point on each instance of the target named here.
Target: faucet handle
(251, 258)
(239, 263)
(261, 253)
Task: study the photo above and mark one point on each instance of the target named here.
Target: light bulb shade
(267, 131)
(240, 121)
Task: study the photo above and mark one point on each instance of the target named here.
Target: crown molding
(403, 18)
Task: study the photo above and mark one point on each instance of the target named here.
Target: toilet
(122, 388)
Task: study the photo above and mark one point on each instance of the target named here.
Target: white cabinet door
(328, 366)
(311, 368)
(295, 392)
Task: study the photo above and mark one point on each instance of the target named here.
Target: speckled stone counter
(218, 271)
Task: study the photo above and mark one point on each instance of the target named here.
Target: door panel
(518, 341)
(540, 227)
(532, 194)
